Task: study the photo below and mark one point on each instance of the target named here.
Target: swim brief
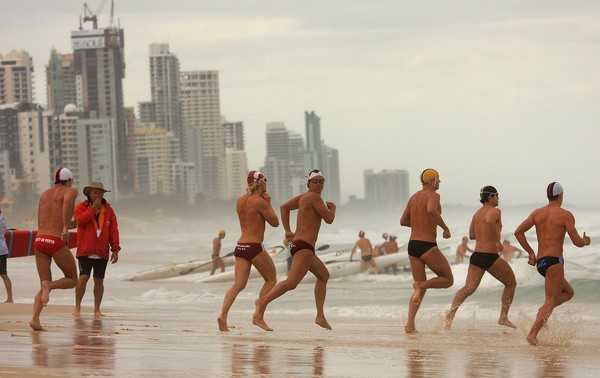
(48, 244)
(86, 264)
(248, 251)
(483, 260)
(3, 259)
(546, 262)
(366, 258)
(416, 248)
(298, 245)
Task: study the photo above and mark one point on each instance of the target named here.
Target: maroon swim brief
(248, 251)
(298, 245)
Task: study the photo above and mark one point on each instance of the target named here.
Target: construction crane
(88, 15)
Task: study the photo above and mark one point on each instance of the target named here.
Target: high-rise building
(164, 87)
(34, 150)
(99, 67)
(332, 189)
(16, 77)
(277, 162)
(233, 134)
(60, 81)
(388, 189)
(153, 152)
(236, 166)
(314, 152)
(201, 113)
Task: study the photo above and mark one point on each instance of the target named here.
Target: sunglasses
(317, 181)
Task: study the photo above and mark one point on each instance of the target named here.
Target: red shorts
(48, 244)
(248, 251)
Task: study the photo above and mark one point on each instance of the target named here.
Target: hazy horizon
(501, 94)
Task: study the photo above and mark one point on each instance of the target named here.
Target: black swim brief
(483, 260)
(366, 258)
(546, 262)
(416, 248)
(298, 245)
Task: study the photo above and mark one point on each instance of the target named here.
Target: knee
(450, 282)
(291, 285)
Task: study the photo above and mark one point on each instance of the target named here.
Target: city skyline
(501, 94)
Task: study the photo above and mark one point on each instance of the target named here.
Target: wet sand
(141, 343)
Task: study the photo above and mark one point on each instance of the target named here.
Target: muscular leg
(417, 267)
(98, 295)
(472, 282)
(502, 271)
(242, 271)
(320, 271)
(80, 292)
(558, 291)
(300, 264)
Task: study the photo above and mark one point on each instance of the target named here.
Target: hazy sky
(505, 93)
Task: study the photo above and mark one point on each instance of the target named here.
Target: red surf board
(20, 242)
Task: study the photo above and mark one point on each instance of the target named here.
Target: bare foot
(36, 325)
(532, 340)
(222, 324)
(322, 322)
(9, 301)
(416, 297)
(261, 323)
(45, 293)
(77, 311)
(98, 314)
(410, 329)
(506, 322)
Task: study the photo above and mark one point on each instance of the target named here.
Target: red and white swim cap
(254, 176)
(62, 174)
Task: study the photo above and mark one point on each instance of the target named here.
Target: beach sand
(142, 343)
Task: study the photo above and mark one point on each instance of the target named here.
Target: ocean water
(153, 243)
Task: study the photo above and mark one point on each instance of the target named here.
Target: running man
(551, 223)
(423, 214)
(311, 210)
(253, 209)
(55, 214)
(486, 227)
(366, 253)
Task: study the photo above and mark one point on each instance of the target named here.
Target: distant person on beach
(379, 247)
(253, 209)
(461, 250)
(216, 259)
(289, 258)
(486, 227)
(97, 243)
(391, 247)
(551, 223)
(508, 251)
(311, 210)
(4, 258)
(366, 253)
(55, 218)
(423, 214)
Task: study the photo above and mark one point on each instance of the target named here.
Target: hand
(97, 204)
(330, 206)
(266, 197)
(531, 260)
(289, 236)
(114, 257)
(64, 235)
(586, 239)
(446, 234)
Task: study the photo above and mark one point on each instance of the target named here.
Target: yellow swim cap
(428, 175)
(221, 232)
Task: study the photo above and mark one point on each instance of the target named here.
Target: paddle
(322, 248)
(188, 271)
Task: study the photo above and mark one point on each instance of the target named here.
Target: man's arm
(493, 220)
(520, 235)
(573, 234)
(433, 209)
(405, 218)
(267, 212)
(67, 211)
(291, 204)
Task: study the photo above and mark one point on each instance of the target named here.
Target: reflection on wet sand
(552, 365)
(256, 360)
(424, 363)
(92, 346)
